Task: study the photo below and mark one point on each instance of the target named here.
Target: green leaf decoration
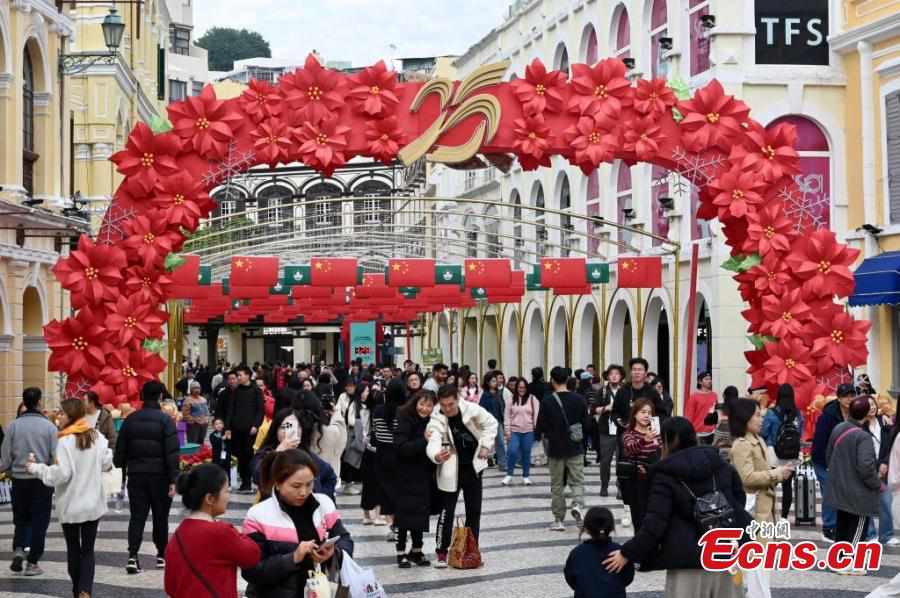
(733, 264)
(154, 345)
(742, 263)
(676, 115)
(173, 261)
(159, 124)
(760, 341)
(680, 87)
(754, 259)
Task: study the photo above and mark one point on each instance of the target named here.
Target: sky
(359, 31)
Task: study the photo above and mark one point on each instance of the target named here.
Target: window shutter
(892, 120)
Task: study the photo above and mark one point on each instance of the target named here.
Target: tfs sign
(792, 32)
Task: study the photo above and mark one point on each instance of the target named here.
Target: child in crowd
(583, 571)
(221, 448)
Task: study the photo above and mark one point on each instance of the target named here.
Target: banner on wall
(792, 32)
(362, 342)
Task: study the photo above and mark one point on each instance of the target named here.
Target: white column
(302, 350)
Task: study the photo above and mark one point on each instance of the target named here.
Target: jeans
(470, 485)
(606, 450)
(148, 492)
(31, 505)
(559, 468)
(885, 518)
(80, 539)
(519, 450)
(829, 516)
(500, 448)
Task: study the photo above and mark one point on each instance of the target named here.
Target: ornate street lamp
(113, 29)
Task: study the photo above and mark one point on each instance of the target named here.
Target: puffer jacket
(278, 530)
(831, 417)
(853, 482)
(148, 443)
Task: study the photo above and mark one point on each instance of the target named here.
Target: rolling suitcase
(805, 496)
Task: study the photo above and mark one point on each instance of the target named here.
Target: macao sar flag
(639, 272)
(596, 273)
(448, 274)
(295, 276)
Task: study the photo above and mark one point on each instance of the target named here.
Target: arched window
(622, 33)
(699, 37)
(623, 205)
(470, 228)
(659, 187)
(275, 208)
(591, 50)
(229, 201)
(540, 231)
(29, 157)
(811, 207)
(562, 58)
(519, 240)
(374, 205)
(592, 201)
(565, 221)
(659, 23)
(323, 218)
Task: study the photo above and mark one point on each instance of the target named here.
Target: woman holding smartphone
(641, 447)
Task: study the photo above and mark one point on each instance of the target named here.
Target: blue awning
(878, 280)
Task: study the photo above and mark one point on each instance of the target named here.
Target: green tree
(225, 45)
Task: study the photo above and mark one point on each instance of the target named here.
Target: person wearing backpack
(675, 519)
(782, 429)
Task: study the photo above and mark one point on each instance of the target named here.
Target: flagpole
(691, 323)
(676, 391)
(640, 321)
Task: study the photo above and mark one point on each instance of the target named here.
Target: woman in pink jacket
(519, 419)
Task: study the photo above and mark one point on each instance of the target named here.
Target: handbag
(626, 470)
(193, 569)
(576, 432)
(356, 445)
(317, 585)
(360, 581)
(464, 551)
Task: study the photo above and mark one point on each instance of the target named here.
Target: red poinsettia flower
(322, 144)
(788, 362)
(132, 320)
(754, 317)
(823, 264)
(770, 152)
(540, 90)
(768, 229)
(92, 272)
(769, 277)
(838, 339)
(653, 97)
(260, 101)
(711, 118)
(756, 359)
(147, 156)
(600, 85)
(205, 123)
(736, 192)
(151, 284)
(272, 141)
(149, 239)
(735, 231)
(643, 137)
(313, 91)
(77, 344)
(128, 370)
(183, 200)
(374, 90)
(109, 394)
(785, 314)
(532, 140)
(385, 138)
(594, 139)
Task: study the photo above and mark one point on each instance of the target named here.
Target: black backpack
(712, 510)
(787, 442)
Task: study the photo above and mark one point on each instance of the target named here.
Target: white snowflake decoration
(806, 204)
(235, 164)
(696, 168)
(113, 227)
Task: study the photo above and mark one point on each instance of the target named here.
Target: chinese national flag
(582, 290)
(249, 292)
(562, 272)
(374, 286)
(639, 272)
(254, 271)
(333, 272)
(188, 273)
(488, 273)
(410, 273)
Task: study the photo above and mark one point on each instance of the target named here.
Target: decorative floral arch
(789, 276)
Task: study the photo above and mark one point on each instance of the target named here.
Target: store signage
(792, 32)
(362, 342)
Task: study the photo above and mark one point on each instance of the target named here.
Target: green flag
(448, 274)
(280, 289)
(596, 272)
(409, 292)
(226, 286)
(360, 273)
(295, 276)
(205, 276)
(479, 293)
(533, 280)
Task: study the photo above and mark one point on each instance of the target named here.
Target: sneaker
(354, 489)
(245, 489)
(392, 535)
(403, 561)
(418, 558)
(381, 521)
(160, 562)
(567, 491)
(441, 562)
(828, 535)
(133, 567)
(558, 526)
(626, 521)
(526, 481)
(16, 565)
(577, 516)
(33, 570)
(368, 521)
(507, 480)
(893, 542)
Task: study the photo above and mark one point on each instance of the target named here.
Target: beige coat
(480, 423)
(748, 455)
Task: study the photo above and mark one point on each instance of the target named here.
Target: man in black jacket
(637, 388)
(559, 418)
(243, 417)
(147, 452)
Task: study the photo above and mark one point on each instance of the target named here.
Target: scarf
(79, 427)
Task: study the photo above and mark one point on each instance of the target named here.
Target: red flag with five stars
(254, 271)
(639, 273)
(333, 272)
(487, 273)
(410, 273)
(562, 272)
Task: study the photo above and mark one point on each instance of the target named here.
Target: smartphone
(330, 541)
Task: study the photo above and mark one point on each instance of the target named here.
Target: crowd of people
(408, 442)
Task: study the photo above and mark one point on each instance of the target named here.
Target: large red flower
(735, 192)
(643, 136)
(374, 90)
(711, 118)
(540, 90)
(272, 141)
(770, 152)
(769, 229)
(532, 141)
(322, 144)
(788, 362)
(260, 101)
(784, 314)
(770, 277)
(92, 272)
(838, 339)
(132, 320)
(385, 138)
(151, 284)
(147, 157)
(205, 123)
(599, 85)
(183, 200)
(77, 344)
(128, 370)
(314, 92)
(149, 239)
(653, 97)
(823, 264)
(594, 140)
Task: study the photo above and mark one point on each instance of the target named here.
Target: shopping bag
(360, 581)
(317, 586)
(112, 481)
(464, 552)
(757, 583)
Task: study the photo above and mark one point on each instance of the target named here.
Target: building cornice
(58, 21)
(874, 32)
(27, 254)
(888, 69)
(34, 344)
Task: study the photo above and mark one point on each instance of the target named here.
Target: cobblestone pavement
(522, 558)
